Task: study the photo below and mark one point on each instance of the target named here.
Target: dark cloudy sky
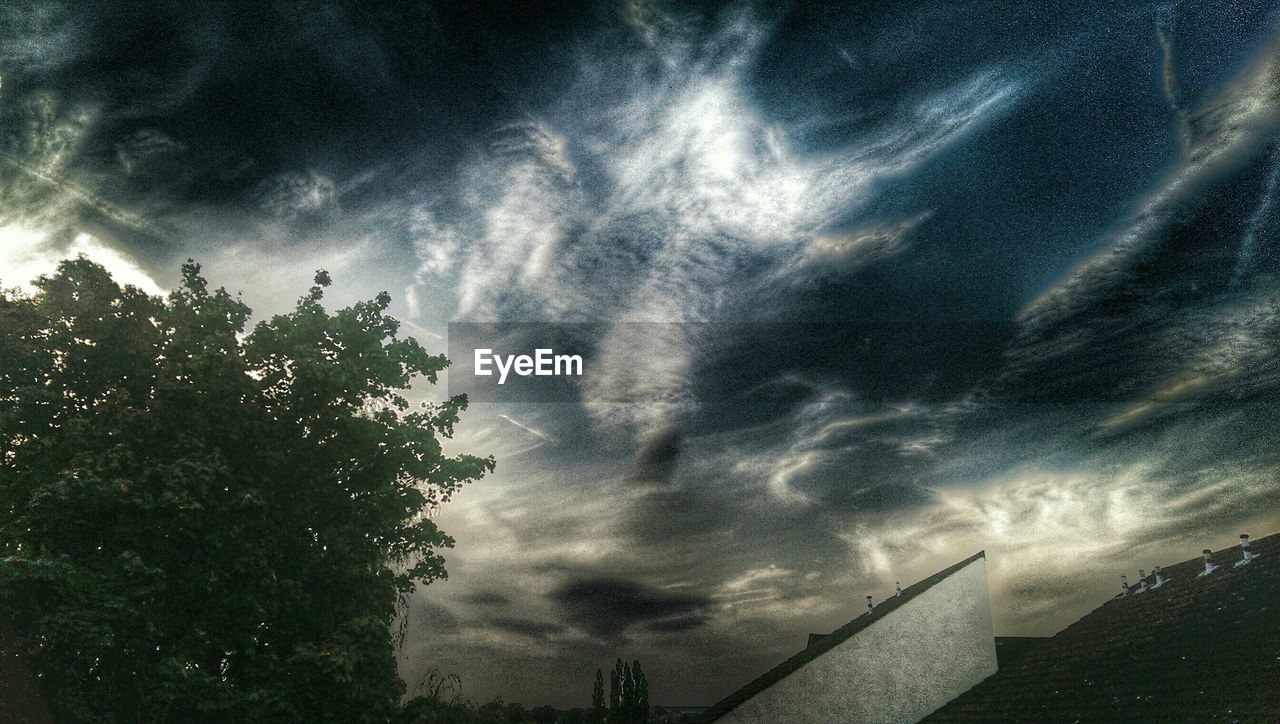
(1078, 195)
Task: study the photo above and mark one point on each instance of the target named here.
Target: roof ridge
(1190, 563)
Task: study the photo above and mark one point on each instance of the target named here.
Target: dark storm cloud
(487, 598)
(677, 625)
(424, 613)
(148, 151)
(656, 460)
(607, 607)
(296, 108)
(523, 626)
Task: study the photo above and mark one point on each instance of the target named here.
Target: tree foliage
(199, 523)
(628, 694)
(597, 698)
(640, 696)
(616, 684)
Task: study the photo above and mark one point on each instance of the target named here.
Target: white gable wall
(899, 669)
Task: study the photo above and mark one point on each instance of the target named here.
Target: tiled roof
(815, 639)
(1199, 648)
(820, 644)
(1011, 648)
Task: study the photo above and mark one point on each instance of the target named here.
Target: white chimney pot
(1247, 553)
(1209, 566)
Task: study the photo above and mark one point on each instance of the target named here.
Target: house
(1197, 641)
(899, 661)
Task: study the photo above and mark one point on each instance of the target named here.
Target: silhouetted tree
(640, 712)
(207, 525)
(616, 684)
(597, 698)
(628, 695)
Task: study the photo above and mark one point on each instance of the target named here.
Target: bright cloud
(26, 254)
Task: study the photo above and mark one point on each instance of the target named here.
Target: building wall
(899, 669)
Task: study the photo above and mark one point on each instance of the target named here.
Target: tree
(597, 699)
(640, 708)
(202, 524)
(628, 694)
(615, 693)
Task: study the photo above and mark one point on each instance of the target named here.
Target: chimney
(870, 608)
(1142, 581)
(1209, 567)
(1159, 577)
(1141, 574)
(898, 586)
(1124, 585)
(1244, 547)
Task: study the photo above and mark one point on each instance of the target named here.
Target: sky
(1056, 225)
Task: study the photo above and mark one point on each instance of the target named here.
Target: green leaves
(202, 523)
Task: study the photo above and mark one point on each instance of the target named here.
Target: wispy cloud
(665, 191)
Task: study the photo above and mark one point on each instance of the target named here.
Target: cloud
(839, 452)
(488, 598)
(26, 254)
(524, 626)
(39, 36)
(668, 188)
(436, 246)
(607, 606)
(864, 245)
(536, 140)
(1069, 531)
(297, 193)
(144, 147)
(1227, 131)
(692, 168)
(427, 614)
(756, 580)
(689, 166)
(677, 625)
(1222, 353)
(44, 212)
(1261, 222)
(656, 460)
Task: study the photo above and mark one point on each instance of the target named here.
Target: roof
(819, 644)
(1011, 648)
(1196, 649)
